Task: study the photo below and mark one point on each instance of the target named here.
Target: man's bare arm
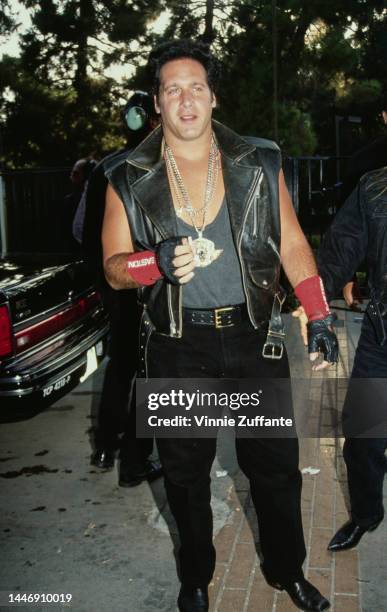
(300, 268)
(117, 243)
(117, 246)
(297, 257)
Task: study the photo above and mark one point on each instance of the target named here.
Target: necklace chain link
(181, 193)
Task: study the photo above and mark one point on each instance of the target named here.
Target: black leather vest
(250, 172)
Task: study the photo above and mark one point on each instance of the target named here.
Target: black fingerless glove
(322, 338)
(165, 253)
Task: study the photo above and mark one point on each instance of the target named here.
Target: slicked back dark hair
(179, 49)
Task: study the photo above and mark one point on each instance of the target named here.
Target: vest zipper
(274, 247)
(146, 354)
(255, 212)
(176, 333)
(255, 220)
(144, 337)
(257, 180)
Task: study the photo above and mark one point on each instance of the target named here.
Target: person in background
(359, 232)
(79, 177)
(370, 157)
(116, 426)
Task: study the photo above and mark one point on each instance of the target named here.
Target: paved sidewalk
(68, 527)
(238, 585)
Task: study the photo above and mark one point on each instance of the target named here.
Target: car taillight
(5, 332)
(58, 322)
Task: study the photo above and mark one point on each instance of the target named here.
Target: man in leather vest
(359, 232)
(200, 221)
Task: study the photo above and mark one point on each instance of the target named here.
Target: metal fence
(32, 201)
(31, 204)
(316, 191)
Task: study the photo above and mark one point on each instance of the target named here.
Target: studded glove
(322, 338)
(165, 253)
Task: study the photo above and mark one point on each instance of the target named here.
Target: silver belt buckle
(274, 346)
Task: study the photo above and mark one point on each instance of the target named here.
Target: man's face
(185, 99)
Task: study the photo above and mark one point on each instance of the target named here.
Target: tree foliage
(289, 68)
(8, 21)
(320, 51)
(58, 103)
(317, 50)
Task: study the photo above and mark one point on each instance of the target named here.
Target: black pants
(117, 411)
(270, 464)
(365, 457)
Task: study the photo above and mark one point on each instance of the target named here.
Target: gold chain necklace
(205, 252)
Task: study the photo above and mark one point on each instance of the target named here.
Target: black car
(53, 328)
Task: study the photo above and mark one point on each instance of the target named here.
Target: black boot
(349, 535)
(129, 478)
(302, 593)
(193, 599)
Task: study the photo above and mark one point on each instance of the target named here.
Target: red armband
(143, 268)
(312, 296)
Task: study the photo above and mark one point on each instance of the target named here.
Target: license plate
(57, 385)
(91, 364)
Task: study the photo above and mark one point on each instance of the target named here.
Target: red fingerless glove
(143, 268)
(312, 296)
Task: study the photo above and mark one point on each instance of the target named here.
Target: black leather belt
(227, 316)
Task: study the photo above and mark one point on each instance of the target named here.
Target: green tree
(366, 91)
(8, 21)
(58, 97)
(42, 124)
(289, 68)
(317, 50)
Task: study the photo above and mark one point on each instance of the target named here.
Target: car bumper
(58, 374)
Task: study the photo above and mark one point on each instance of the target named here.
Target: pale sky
(10, 46)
